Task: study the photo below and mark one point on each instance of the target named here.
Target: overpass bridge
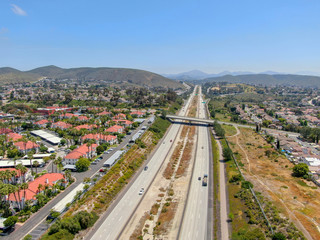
(190, 119)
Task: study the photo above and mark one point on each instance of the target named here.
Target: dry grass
(167, 214)
(173, 161)
(138, 230)
(154, 209)
(299, 202)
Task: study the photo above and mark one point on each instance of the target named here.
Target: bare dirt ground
(297, 199)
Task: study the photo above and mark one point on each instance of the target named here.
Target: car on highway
(141, 191)
(146, 168)
(199, 178)
(171, 140)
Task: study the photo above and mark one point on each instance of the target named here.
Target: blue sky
(163, 36)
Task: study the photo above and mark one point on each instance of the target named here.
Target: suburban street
(195, 221)
(33, 225)
(115, 221)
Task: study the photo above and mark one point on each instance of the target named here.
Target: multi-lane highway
(115, 221)
(195, 222)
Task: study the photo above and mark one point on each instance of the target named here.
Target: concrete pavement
(116, 220)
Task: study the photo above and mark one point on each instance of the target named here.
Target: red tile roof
(46, 179)
(26, 146)
(5, 130)
(105, 113)
(86, 126)
(137, 113)
(62, 125)
(124, 122)
(99, 136)
(120, 116)
(81, 151)
(10, 169)
(83, 118)
(115, 128)
(14, 136)
(42, 122)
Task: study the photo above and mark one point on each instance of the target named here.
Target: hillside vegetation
(86, 74)
(269, 80)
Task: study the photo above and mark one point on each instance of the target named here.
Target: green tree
(227, 153)
(100, 149)
(278, 236)
(254, 234)
(82, 164)
(10, 221)
(300, 170)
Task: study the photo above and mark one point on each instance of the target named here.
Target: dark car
(146, 168)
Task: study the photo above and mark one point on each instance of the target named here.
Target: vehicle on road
(146, 168)
(199, 178)
(141, 191)
(171, 140)
(205, 180)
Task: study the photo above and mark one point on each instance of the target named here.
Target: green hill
(118, 76)
(270, 80)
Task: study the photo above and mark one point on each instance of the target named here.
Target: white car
(141, 191)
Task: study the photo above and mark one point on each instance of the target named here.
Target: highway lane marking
(120, 218)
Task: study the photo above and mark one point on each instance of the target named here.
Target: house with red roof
(86, 126)
(36, 186)
(67, 115)
(115, 129)
(120, 116)
(41, 123)
(14, 136)
(5, 131)
(105, 113)
(26, 147)
(137, 114)
(125, 123)
(14, 178)
(82, 151)
(83, 118)
(101, 138)
(61, 125)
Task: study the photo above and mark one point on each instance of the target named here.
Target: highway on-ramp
(195, 220)
(116, 220)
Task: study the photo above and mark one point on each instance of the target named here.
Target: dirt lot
(270, 173)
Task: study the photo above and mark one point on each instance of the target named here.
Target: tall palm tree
(25, 141)
(24, 187)
(36, 165)
(30, 157)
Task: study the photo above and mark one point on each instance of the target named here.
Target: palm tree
(67, 175)
(24, 187)
(30, 157)
(36, 165)
(25, 141)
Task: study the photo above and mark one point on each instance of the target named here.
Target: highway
(116, 220)
(195, 222)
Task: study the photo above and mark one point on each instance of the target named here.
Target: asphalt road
(195, 220)
(32, 225)
(116, 220)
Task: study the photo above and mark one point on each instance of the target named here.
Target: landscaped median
(101, 195)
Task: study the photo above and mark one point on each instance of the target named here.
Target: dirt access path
(299, 202)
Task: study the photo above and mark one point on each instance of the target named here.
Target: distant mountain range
(199, 75)
(269, 80)
(117, 76)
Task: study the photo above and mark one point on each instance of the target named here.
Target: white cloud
(17, 10)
